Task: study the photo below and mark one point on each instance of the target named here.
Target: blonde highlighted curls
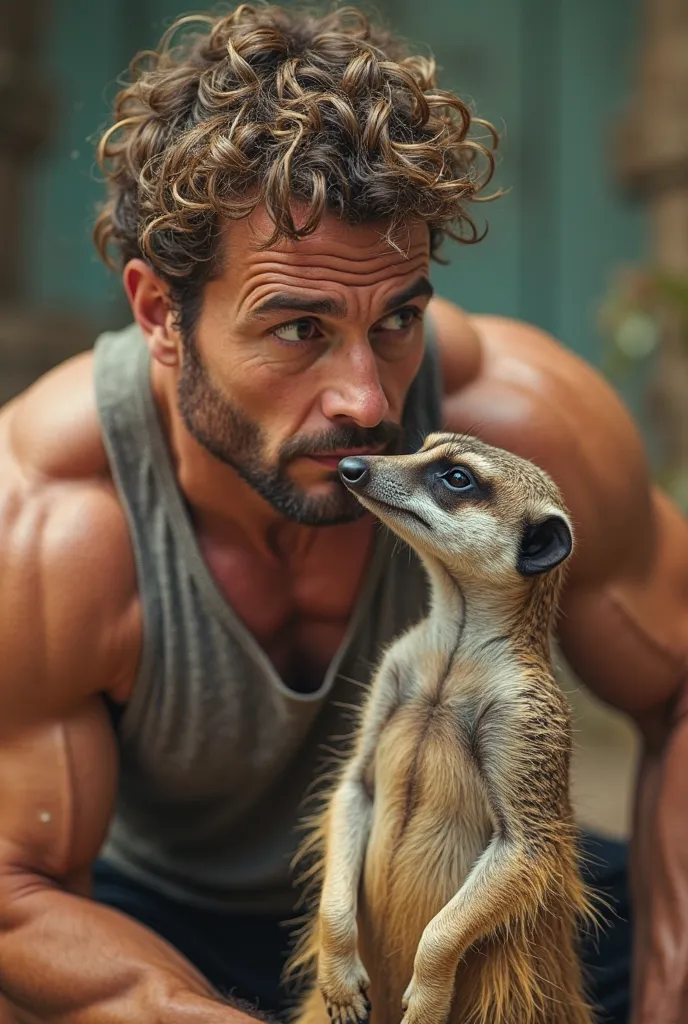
(266, 105)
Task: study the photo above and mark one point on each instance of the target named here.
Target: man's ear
(150, 303)
(544, 545)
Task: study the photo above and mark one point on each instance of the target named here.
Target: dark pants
(243, 955)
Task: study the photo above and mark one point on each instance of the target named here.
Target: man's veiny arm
(64, 957)
(624, 622)
(660, 883)
(628, 639)
(64, 611)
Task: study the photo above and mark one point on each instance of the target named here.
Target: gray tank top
(216, 753)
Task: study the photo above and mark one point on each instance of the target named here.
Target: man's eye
(296, 331)
(399, 321)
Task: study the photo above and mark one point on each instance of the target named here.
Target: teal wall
(553, 73)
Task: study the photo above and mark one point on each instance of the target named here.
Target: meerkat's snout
(388, 485)
(354, 471)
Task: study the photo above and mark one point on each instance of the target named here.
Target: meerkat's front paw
(426, 1004)
(344, 987)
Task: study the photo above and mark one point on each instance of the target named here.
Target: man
(188, 593)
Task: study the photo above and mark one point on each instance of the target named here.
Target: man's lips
(331, 460)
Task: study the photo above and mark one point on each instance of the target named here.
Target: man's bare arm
(64, 957)
(66, 613)
(638, 625)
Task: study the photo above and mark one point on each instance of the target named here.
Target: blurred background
(590, 242)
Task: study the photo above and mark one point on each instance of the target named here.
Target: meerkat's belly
(429, 797)
(431, 822)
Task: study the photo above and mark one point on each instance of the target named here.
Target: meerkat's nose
(354, 471)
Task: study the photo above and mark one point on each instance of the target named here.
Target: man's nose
(355, 391)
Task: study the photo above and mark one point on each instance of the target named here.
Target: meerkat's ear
(544, 545)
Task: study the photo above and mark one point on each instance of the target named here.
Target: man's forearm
(659, 874)
(6, 1015)
(70, 959)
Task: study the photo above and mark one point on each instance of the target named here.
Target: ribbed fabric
(217, 753)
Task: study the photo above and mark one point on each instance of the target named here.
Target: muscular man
(189, 596)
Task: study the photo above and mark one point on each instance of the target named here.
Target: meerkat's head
(478, 510)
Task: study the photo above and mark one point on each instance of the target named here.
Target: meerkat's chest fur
(425, 779)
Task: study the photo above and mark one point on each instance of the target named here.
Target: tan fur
(445, 855)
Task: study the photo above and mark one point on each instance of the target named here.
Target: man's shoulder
(52, 429)
(537, 398)
(555, 404)
(68, 590)
(56, 489)
(529, 387)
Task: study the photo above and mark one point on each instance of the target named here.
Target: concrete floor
(606, 751)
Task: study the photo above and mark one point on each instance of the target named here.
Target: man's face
(304, 353)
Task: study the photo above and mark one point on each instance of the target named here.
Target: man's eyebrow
(419, 289)
(283, 302)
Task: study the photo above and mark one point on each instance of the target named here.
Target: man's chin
(334, 509)
(328, 515)
(325, 502)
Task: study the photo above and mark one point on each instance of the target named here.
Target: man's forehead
(334, 240)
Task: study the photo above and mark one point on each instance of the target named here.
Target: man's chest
(298, 613)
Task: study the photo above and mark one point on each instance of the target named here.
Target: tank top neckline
(219, 606)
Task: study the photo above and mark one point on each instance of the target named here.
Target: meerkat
(449, 885)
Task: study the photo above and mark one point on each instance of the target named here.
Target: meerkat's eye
(458, 479)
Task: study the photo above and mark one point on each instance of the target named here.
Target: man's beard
(240, 442)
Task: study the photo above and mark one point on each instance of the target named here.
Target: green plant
(640, 308)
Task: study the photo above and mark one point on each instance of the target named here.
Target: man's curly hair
(266, 105)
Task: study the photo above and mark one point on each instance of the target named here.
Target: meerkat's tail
(312, 1009)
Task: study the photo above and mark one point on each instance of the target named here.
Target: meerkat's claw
(425, 1006)
(345, 993)
(351, 1014)
(406, 998)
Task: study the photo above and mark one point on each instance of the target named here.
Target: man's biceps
(631, 656)
(58, 782)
